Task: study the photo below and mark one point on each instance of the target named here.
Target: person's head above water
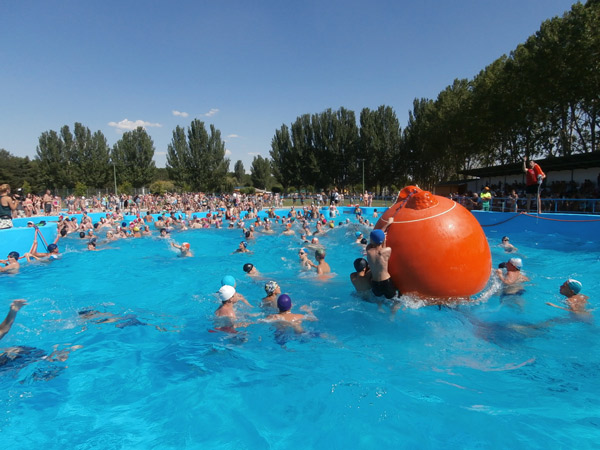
(185, 246)
(516, 262)
(228, 280)
(226, 293)
(271, 287)
(248, 267)
(53, 248)
(320, 254)
(574, 285)
(14, 255)
(358, 234)
(377, 237)
(284, 303)
(360, 264)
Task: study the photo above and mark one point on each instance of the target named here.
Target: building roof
(552, 164)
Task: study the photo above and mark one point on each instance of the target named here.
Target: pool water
(498, 373)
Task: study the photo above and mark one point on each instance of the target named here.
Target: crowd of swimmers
(371, 278)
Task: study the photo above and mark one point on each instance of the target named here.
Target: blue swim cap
(228, 280)
(358, 233)
(377, 237)
(284, 303)
(574, 285)
(52, 247)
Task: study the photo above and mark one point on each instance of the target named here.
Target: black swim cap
(360, 264)
(248, 267)
(14, 255)
(52, 247)
(82, 234)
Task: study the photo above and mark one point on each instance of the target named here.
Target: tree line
(541, 100)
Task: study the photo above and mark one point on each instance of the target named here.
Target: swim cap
(516, 262)
(270, 287)
(14, 255)
(248, 267)
(136, 229)
(358, 233)
(124, 224)
(226, 292)
(244, 243)
(81, 234)
(574, 285)
(360, 264)
(377, 237)
(52, 247)
(331, 225)
(320, 253)
(185, 245)
(364, 241)
(284, 303)
(228, 280)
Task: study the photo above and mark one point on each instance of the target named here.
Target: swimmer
(513, 272)
(11, 263)
(52, 252)
(230, 281)
(576, 302)
(288, 230)
(322, 267)
(15, 306)
(225, 317)
(378, 257)
(183, 248)
(315, 244)
(507, 246)
(164, 233)
(251, 270)
(91, 245)
(359, 237)
(304, 261)
(361, 279)
(98, 317)
(242, 248)
(273, 291)
(285, 318)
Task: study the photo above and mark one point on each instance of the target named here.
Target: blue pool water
(489, 375)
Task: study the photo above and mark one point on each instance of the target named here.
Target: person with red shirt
(534, 177)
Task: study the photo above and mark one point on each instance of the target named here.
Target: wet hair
(63, 232)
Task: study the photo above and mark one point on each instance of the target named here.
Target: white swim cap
(226, 292)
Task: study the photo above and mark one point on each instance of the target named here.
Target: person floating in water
(576, 302)
(507, 246)
(15, 306)
(230, 281)
(242, 248)
(11, 263)
(513, 276)
(286, 319)
(361, 279)
(183, 248)
(98, 317)
(272, 290)
(251, 270)
(225, 315)
(378, 257)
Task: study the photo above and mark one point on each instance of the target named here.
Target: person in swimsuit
(285, 319)
(378, 257)
(361, 279)
(273, 291)
(576, 302)
(11, 263)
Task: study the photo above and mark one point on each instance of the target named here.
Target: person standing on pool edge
(378, 257)
(534, 176)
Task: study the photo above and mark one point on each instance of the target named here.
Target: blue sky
(246, 67)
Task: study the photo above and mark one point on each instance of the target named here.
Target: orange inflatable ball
(439, 250)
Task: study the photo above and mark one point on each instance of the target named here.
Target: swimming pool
(487, 375)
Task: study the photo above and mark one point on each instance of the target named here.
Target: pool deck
(20, 237)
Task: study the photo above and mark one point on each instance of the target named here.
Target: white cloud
(227, 152)
(232, 136)
(212, 112)
(127, 124)
(180, 113)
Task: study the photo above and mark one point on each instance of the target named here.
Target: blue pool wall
(20, 237)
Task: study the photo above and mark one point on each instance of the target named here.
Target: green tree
(260, 171)
(132, 156)
(239, 171)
